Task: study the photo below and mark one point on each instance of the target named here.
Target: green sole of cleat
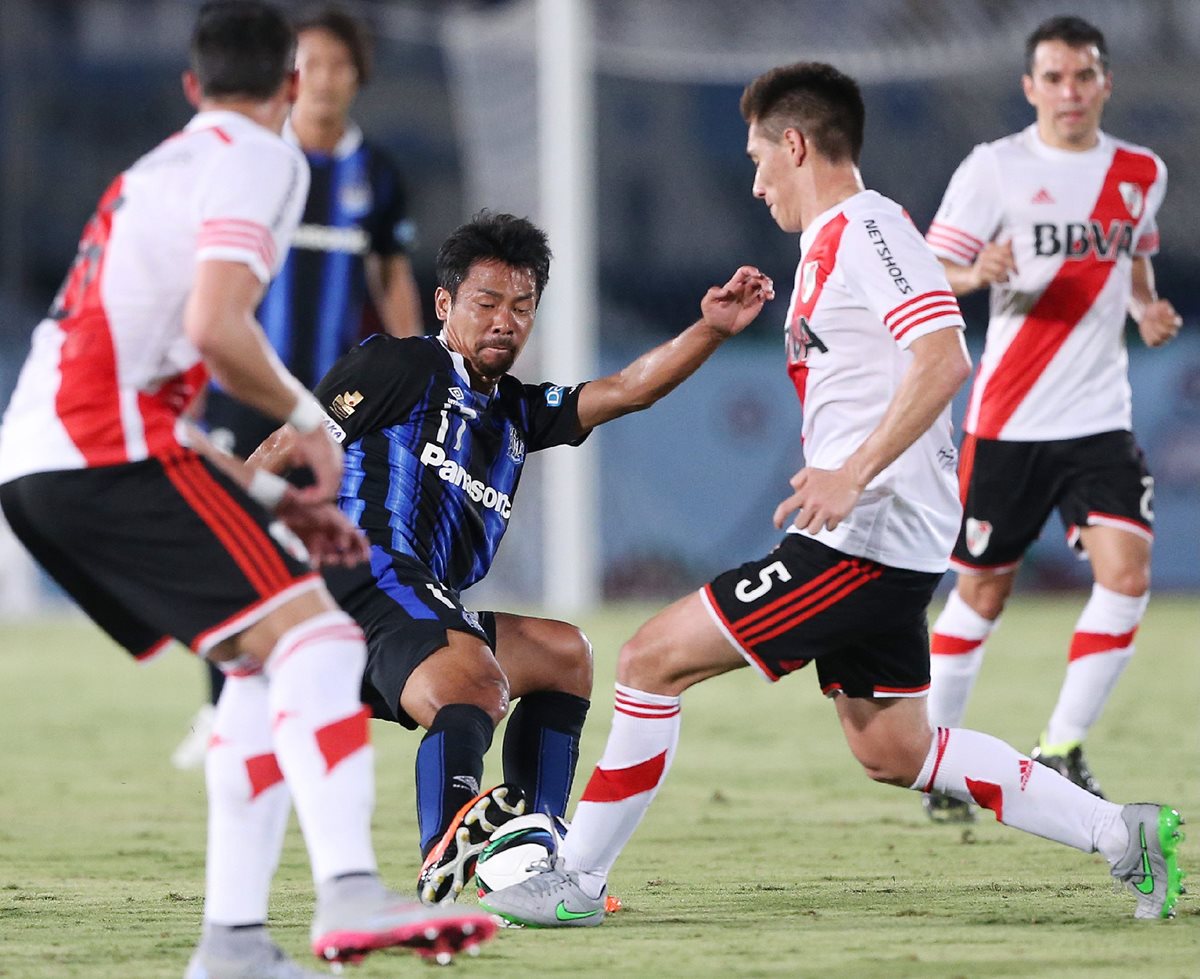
(1169, 837)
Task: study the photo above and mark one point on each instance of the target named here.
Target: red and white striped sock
(640, 748)
(955, 655)
(1100, 650)
(979, 768)
(248, 806)
(322, 740)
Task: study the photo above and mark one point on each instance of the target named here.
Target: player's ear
(192, 89)
(441, 303)
(1027, 87)
(797, 145)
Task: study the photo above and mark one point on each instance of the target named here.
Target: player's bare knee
(986, 594)
(569, 655)
(643, 662)
(489, 692)
(1132, 580)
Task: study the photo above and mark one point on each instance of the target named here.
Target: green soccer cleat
(1068, 761)
(1149, 865)
(941, 807)
(549, 899)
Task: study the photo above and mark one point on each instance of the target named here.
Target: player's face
(774, 173)
(328, 78)
(1068, 87)
(490, 319)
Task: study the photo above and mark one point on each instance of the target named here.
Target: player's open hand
(730, 308)
(994, 263)
(823, 497)
(1159, 323)
(327, 534)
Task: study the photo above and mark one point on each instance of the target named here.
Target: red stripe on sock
(343, 738)
(943, 739)
(615, 784)
(264, 772)
(943, 645)
(1087, 643)
(989, 795)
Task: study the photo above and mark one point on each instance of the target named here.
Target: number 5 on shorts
(745, 593)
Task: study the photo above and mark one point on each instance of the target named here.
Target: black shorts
(156, 550)
(1009, 489)
(864, 623)
(405, 613)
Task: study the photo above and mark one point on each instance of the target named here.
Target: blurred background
(672, 496)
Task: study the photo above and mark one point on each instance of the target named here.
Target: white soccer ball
(514, 848)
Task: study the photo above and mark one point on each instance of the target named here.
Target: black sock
(541, 748)
(449, 767)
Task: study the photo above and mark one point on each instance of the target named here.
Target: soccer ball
(513, 849)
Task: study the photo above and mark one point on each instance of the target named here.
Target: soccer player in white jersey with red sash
(1059, 221)
(874, 346)
(104, 483)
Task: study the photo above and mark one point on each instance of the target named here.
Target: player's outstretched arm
(725, 311)
(1157, 320)
(824, 497)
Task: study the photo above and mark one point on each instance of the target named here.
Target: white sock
(1100, 650)
(248, 806)
(321, 737)
(636, 759)
(955, 655)
(978, 768)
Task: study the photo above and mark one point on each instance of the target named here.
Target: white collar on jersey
(460, 368)
(351, 139)
(1040, 148)
(222, 117)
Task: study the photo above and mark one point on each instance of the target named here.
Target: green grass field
(766, 854)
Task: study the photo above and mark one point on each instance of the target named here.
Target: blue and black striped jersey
(313, 311)
(432, 466)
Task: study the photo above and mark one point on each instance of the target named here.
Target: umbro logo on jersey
(456, 394)
(1042, 197)
(344, 404)
(979, 532)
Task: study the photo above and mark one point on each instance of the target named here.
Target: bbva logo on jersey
(1078, 240)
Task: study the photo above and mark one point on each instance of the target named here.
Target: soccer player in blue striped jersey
(436, 433)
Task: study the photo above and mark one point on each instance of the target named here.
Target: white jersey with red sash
(110, 370)
(867, 286)
(1054, 366)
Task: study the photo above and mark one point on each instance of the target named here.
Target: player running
(874, 347)
(437, 433)
(102, 482)
(1058, 221)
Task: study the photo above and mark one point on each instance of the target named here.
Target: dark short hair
(1075, 32)
(242, 48)
(494, 237)
(349, 30)
(817, 99)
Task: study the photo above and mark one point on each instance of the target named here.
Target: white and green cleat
(1149, 865)
(550, 899)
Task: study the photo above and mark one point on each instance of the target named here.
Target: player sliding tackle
(875, 349)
